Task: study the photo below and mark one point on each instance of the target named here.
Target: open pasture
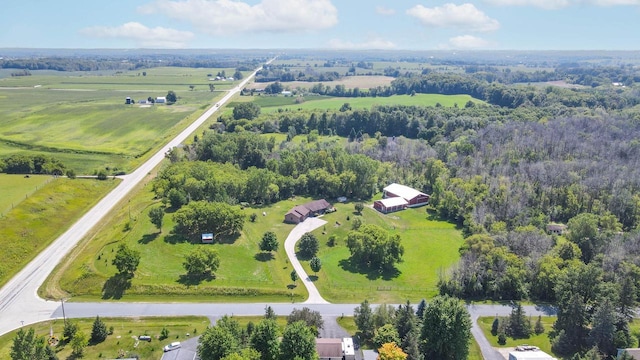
(332, 103)
(15, 188)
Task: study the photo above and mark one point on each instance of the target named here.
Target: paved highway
(19, 303)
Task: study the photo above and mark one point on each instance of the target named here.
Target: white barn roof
(403, 191)
(394, 201)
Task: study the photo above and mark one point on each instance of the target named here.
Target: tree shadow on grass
(263, 256)
(372, 274)
(313, 278)
(175, 239)
(115, 286)
(147, 238)
(192, 280)
(292, 286)
(227, 239)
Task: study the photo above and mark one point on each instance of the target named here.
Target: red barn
(413, 197)
(390, 204)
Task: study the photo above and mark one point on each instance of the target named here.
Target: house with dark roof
(301, 212)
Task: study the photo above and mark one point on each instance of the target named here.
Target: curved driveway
(306, 226)
(19, 302)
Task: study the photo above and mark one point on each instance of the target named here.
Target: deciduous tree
(265, 339)
(446, 330)
(391, 351)
(203, 261)
(126, 260)
(269, 242)
(315, 264)
(308, 246)
(156, 215)
(298, 341)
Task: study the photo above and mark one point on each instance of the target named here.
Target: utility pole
(64, 317)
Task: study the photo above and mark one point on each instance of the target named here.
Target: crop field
(123, 341)
(38, 219)
(83, 120)
(431, 247)
(244, 274)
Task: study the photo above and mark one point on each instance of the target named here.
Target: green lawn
(125, 331)
(431, 246)
(244, 274)
(542, 341)
(37, 220)
(15, 188)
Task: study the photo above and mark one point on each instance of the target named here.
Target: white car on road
(172, 346)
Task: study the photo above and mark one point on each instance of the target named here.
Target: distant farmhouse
(301, 212)
(161, 100)
(398, 197)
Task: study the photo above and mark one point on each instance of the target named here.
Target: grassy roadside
(123, 340)
(39, 219)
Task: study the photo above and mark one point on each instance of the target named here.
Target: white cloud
(558, 4)
(372, 44)
(465, 16)
(385, 11)
(224, 17)
(157, 37)
(468, 42)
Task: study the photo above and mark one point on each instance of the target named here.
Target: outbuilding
(161, 100)
(207, 238)
(390, 204)
(413, 197)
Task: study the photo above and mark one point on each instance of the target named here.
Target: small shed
(127, 100)
(207, 238)
(161, 100)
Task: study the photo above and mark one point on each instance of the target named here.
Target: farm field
(431, 246)
(243, 276)
(124, 338)
(39, 219)
(83, 120)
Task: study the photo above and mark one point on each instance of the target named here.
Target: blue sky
(324, 24)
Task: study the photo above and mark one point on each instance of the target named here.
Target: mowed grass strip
(431, 247)
(123, 340)
(244, 275)
(16, 188)
(39, 219)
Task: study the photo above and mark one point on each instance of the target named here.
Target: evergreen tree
(363, 317)
(98, 331)
(603, 329)
(421, 307)
(518, 326)
(539, 328)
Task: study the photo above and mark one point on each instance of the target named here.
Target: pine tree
(539, 328)
(99, 331)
